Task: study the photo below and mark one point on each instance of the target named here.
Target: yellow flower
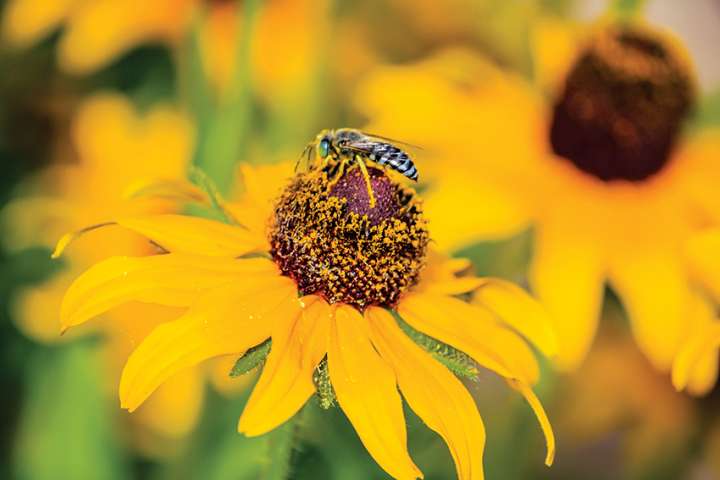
(315, 273)
(602, 172)
(113, 144)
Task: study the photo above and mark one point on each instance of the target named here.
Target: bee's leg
(366, 176)
(339, 172)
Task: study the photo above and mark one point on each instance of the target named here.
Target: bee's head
(324, 143)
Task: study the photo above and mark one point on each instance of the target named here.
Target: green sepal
(253, 358)
(460, 363)
(323, 386)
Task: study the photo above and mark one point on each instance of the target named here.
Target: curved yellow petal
(435, 394)
(472, 330)
(229, 319)
(539, 411)
(194, 235)
(173, 279)
(299, 342)
(696, 353)
(567, 275)
(653, 288)
(520, 311)
(365, 387)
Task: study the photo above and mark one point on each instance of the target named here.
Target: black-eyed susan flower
(342, 296)
(110, 143)
(603, 170)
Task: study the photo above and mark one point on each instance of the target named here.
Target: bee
(348, 146)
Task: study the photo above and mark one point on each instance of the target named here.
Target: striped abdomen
(393, 157)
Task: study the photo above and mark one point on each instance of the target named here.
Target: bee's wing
(361, 146)
(391, 140)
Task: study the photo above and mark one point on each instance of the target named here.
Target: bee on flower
(334, 298)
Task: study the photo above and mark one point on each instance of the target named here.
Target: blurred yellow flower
(603, 172)
(617, 395)
(114, 145)
(96, 31)
(316, 276)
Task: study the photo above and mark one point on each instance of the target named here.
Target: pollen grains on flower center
(623, 105)
(327, 238)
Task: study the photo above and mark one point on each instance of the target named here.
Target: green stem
(627, 10)
(224, 139)
(282, 443)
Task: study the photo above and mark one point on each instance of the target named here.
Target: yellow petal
(173, 279)
(695, 354)
(26, 21)
(194, 235)
(435, 394)
(299, 342)
(472, 330)
(654, 291)
(568, 279)
(703, 253)
(365, 387)
(227, 320)
(498, 216)
(539, 411)
(520, 311)
(173, 189)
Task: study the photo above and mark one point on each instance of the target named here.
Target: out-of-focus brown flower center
(623, 106)
(332, 243)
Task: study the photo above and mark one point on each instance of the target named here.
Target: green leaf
(254, 357)
(458, 362)
(67, 428)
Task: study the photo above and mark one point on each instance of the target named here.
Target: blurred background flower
(99, 95)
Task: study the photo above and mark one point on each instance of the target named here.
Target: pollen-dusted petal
(229, 319)
(365, 387)
(435, 394)
(174, 279)
(299, 341)
(194, 235)
(465, 327)
(539, 411)
(696, 353)
(654, 290)
(520, 311)
(568, 278)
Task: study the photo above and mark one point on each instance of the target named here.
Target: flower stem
(224, 134)
(283, 442)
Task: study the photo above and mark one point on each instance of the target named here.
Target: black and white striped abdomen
(393, 157)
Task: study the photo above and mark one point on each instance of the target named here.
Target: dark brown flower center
(332, 243)
(623, 106)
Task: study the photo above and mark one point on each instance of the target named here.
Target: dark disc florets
(332, 243)
(623, 105)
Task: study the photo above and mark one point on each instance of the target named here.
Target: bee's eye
(324, 148)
